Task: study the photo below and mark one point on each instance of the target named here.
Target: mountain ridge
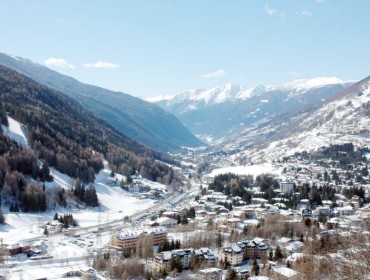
(136, 118)
(343, 118)
(223, 112)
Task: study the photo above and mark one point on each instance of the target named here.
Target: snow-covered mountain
(225, 111)
(343, 118)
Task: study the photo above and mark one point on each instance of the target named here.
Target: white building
(286, 187)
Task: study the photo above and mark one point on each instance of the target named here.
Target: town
(312, 210)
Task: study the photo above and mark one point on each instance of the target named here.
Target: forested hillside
(66, 136)
(140, 120)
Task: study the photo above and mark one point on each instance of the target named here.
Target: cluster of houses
(345, 214)
(235, 254)
(138, 187)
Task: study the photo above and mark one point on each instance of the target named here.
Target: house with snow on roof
(233, 254)
(211, 273)
(130, 238)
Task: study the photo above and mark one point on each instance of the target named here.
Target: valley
(289, 189)
(280, 190)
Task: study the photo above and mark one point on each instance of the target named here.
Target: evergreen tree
(90, 197)
(255, 268)
(45, 172)
(231, 274)
(219, 240)
(172, 246)
(2, 218)
(79, 190)
(191, 213)
(177, 244)
(278, 254)
(184, 220)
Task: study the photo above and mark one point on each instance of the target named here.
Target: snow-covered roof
(236, 248)
(129, 234)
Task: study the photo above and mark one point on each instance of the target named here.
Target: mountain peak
(307, 84)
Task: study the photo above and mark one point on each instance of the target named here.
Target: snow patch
(16, 131)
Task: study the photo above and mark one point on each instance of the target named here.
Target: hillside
(343, 118)
(226, 111)
(138, 119)
(66, 136)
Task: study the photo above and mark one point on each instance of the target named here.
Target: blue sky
(149, 48)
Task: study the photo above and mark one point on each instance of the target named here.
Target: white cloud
(101, 64)
(273, 12)
(319, 1)
(58, 62)
(215, 74)
(305, 13)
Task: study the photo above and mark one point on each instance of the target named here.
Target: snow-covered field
(254, 170)
(115, 204)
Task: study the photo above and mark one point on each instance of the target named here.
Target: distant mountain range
(342, 118)
(225, 112)
(140, 120)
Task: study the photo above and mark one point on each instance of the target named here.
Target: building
(130, 238)
(234, 254)
(206, 255)
(53, 227)
(17, 248)
(162, 260)
(163, 221)
(212, 273)
(304, 203)
(255, 249)
(286, 187)
(306, 212)
(233, 222)
(323, 210)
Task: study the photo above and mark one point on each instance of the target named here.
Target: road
(102, 228)
(119, 223)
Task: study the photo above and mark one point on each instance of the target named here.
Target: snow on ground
(115, 204)
(60, 179)
(153, 185)
(254, 170)
(22, 225)
(16, 131)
